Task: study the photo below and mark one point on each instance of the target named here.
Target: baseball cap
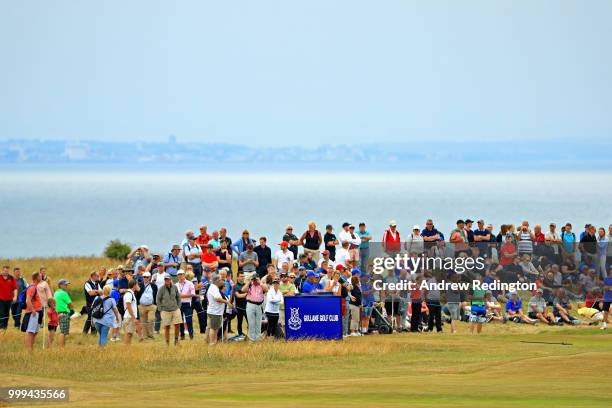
(180, 272)
(340, 267)
(345, 224)
(468, 221)
(302, 268)
(392, 223)
(480, 222)
(310, 273)
(325, 252)
(284, 244)
(146, 275)
(63, 282)
(460, 222)
(355, 271)
(416, 227)
(167, 276)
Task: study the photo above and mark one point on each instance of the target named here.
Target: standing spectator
(214, 240)
(291, 239)
(224, 238)
(568, 240)
(239, 300)
(241, 245)
(264, 256)
(364, 247)
(8, 295)
(312, 239)
(416, 301)
(607, 298)
(16, 307)
(415, 244)
(193, 253)
(64, 308)
(255, 297)
(168, 303)
(186, 293)
(459, 238)
(283, 255)
(553, 240)
(92, 290)
(146, 305)
(391, 240)
(216, 308)
(602, 252)
(224, 256)
(430, 235)
(482, 237)
(348, 235)
(248, 260)
(525, 241)
(110, 315)
(392, 299)
(32, 318)
(210, 261)
(52, 322)
(44, 287)
(203, 238)
(330, 241)
(274, 298)
(432, 297)
(130, 316)
(355, 305)
(172, 261)
(196, 301)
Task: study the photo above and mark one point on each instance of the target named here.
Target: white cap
(167, 276)
(392, 223)
(144, 247)
(416, 227)
(180, 272)
(146, 275)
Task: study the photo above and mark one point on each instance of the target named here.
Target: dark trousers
(272, 323)
(415, 318)
(157, 321)
(16, 312)
(435, 314)
(5, 313)
(197, 270)
(187, 313)
(196, 305)
(89, 323)
(241, 316)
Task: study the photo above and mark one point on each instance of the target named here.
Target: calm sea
(77, 211)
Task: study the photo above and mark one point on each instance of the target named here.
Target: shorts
(453, 311)
(171, 318)
(392, 307)
(30, 323)
(215, 321)
(64, 323)
(51, 328)
(116, 323)
(367, 311)
(478, 314)
(606, 306)
(129, 325)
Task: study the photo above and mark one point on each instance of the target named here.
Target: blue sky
(311, 72)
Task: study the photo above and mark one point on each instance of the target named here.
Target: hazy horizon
(273, 73)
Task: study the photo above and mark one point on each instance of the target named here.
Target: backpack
(23, 296)
(97, 308)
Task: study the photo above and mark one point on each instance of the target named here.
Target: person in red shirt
(507, 251)
(8, 295)
(210, 261)
(203, 238)
(391, 238)
(52, 321)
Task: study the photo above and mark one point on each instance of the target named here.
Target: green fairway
(493, 369)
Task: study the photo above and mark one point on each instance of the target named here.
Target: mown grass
(493, 369)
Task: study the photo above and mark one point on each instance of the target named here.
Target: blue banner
(317, 317)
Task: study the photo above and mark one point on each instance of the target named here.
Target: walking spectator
(32, 319)
(146, 305)
(169, 305)
(8, 295)
(64, 308)
(255, 297)
(130, 315)
(110, 315)
(274, 298)
(216, 308)
(186, 293)
(92, 290)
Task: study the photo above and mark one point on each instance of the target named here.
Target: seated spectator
(562, 308)
(514, 310)
(537, 308)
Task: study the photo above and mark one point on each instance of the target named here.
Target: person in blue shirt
(172, 261)
(364, 247)
(311, 285)
(514, 310)
(607, 298)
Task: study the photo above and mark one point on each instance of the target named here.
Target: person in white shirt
(274, 298)
(131, 312)
(215, 309)
(348, 235)
(553, 239)
(193, 253)
(343, 256)
(283, 255)
(415, 242)
(147, 306)
(158, 277)
(326, 258)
